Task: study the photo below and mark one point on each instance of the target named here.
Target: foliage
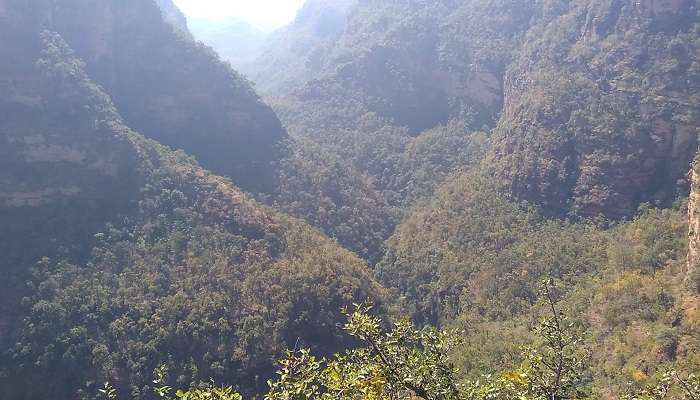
(472, 250)
(193, 268)
(117, 250)
(407, 362)
(170, 88)
(401, 363)
(557, 369)
(602, 87)
(331, 195)
(472, 258)
(671, 385)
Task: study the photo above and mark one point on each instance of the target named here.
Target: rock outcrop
(421, 65)
(171, 88)
(694, 227)
(599, 109)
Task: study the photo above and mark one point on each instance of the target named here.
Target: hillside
(560, 82)
(421, 63)
(589, 137)
(473, 258)
(134, 255)
(605, 94)
(443, 200)
(693, 266)
(293, 54)
(181, 94)
(170, 88)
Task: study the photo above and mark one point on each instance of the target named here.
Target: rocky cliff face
(599, 110)
(58, 154)
(65, 168)
(170, 88)
(694, 225)
(420, 65)
(90, 204)
(594, 101)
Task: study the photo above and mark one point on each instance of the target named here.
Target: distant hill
(292, 54)
(235, 40)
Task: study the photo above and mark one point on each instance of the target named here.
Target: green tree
(405, 362)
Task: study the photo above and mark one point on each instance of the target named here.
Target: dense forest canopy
(512, 185)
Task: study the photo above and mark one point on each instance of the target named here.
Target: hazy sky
(267, 14)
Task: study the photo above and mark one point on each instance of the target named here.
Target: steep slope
(170, 88)
(59, 182)
(152, 258)
(594, 101)
(173, 16)
(291, 55)
(473, 258)
(328, 193)
(405, 90)
(693, 268)
(601, 107)
(472, 250)
(180, 94)
(417, 64)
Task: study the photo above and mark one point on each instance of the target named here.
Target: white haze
(264, 14)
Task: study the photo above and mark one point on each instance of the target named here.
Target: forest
(382, 200)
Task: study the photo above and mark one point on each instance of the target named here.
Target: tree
(406, 362)
(671, 386)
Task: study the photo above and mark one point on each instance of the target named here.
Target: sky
(265, 14)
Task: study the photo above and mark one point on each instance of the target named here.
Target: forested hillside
(121, 254)
(589, 114)
(605, 93)
(170, 88)
(518, 178)
(602, 92)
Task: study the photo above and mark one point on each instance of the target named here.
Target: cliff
(135, 246)
(170, 88)
(693, 272)
(598, 113)
(420, 64)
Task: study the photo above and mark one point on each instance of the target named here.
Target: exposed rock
(694, 222)
(52, 153)
(421, 65)
(36, 198)
(593, 122)
(39, 136)
(172, 89)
